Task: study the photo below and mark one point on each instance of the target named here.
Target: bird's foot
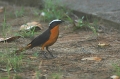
(46, 56)
(44, 53)
(52, 57)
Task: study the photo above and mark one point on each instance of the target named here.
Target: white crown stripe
(54, 21)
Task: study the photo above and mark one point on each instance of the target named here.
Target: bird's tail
(23, 49)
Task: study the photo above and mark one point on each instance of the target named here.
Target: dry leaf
(9, 39)
(103, 44)
(92, 58)
(1, 9)
(114, 77)
(33, 57)
(5, 70)
(28, 26)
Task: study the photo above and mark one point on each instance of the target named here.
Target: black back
(41, 39)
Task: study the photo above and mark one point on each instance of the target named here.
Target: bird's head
(54, 23)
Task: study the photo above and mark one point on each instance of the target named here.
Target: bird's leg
(44, 53)
(49, 52)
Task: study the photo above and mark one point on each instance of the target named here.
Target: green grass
(8, 61)
(26, 33)
(117, 70)
(15, 13)
(53, 11)
(81, 24)
(19, 13)
(4, 24)
(6, 28)
(13, 61)
(56, 76)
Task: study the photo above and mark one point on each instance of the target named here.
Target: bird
(46, 39)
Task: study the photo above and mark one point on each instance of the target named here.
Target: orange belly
(53, 37)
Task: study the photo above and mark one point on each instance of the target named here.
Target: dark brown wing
(41, 39)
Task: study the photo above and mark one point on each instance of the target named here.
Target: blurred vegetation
(25, 2)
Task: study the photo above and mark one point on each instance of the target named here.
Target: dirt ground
(69, 49)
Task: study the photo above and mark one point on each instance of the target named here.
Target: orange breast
(53, 37)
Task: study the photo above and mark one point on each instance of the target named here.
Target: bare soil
(69, 49)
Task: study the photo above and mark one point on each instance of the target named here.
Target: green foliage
(53, 11)
(37, 75)
(80, 23)
(86, 24)
(5, 27)
(19, 13)
(11, 61)
(56, 76)
(4, 78)
(36, 12)
(117, 69)
(35, 54)
(92, 28)
(30, 33)
(4, 24)
(15, 61)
